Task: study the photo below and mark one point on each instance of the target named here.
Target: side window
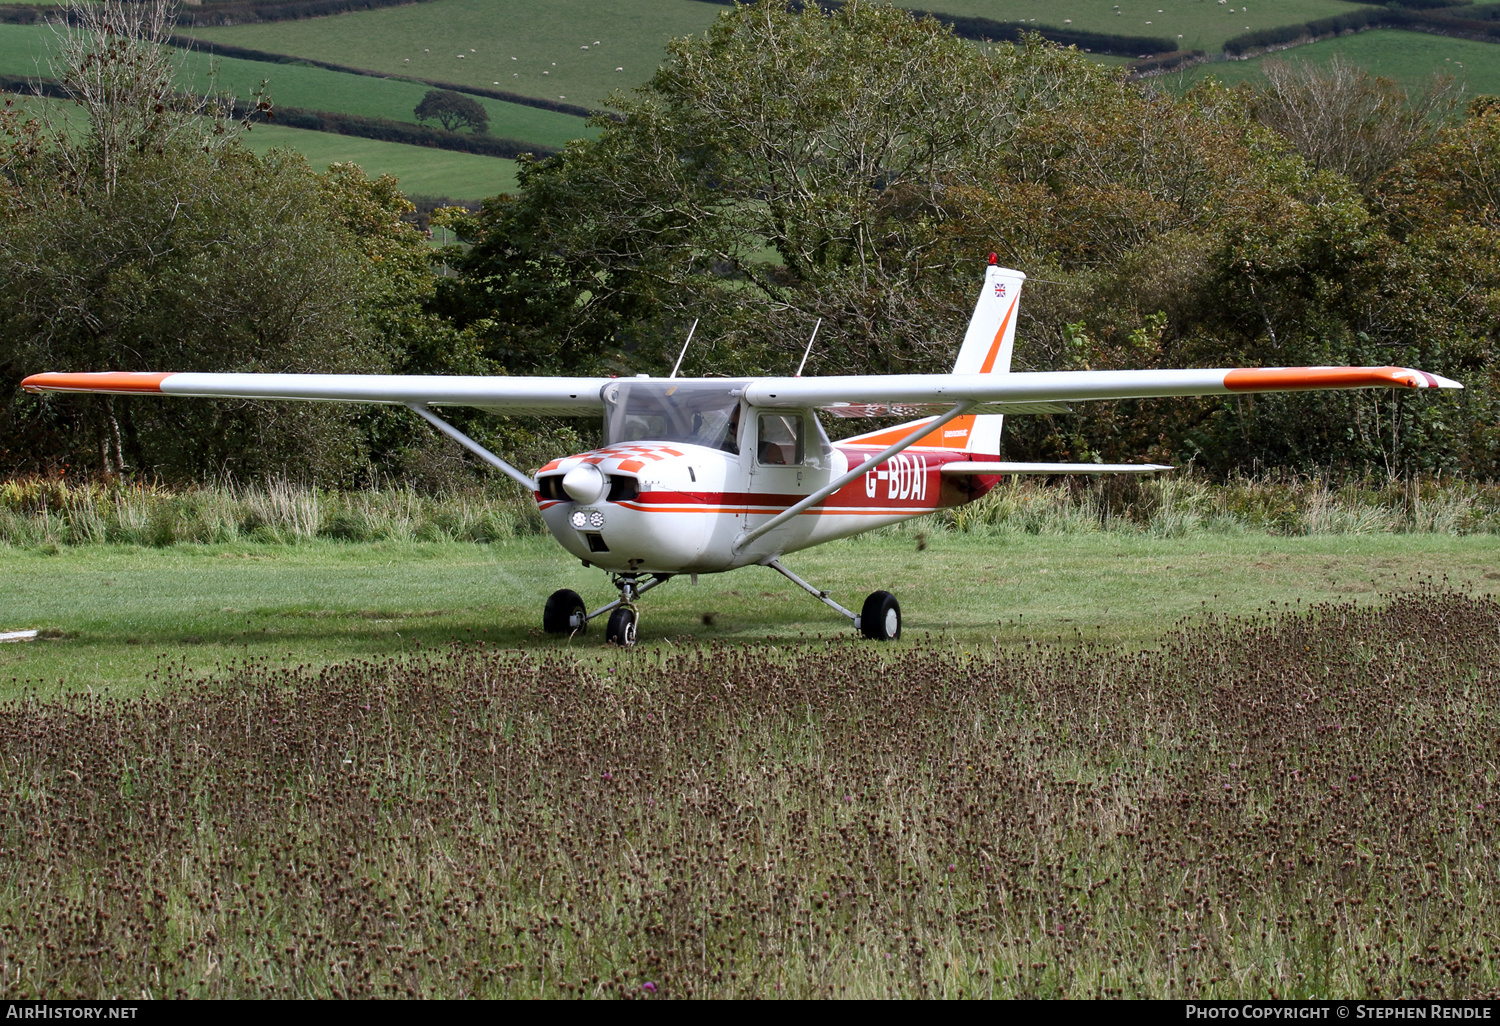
(779, 439)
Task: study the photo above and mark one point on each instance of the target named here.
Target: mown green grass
(1410, 58)
(423, 170)
(117, 610)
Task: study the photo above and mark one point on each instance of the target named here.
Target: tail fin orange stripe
(989, 359)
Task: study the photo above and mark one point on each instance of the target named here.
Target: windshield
(673, 411)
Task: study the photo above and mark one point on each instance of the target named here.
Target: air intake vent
(596, 542)
(622, 488)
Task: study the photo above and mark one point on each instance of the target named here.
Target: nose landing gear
(565, 612)
(621, 627)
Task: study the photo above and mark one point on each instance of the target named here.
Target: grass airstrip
(111, 613)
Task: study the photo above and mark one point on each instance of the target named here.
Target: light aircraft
(703, 475)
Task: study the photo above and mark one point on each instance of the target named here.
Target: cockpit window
(671, 411)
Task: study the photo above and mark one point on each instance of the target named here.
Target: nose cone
(585, 483)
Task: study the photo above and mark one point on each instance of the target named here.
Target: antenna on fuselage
(684, 348)
(808, 351)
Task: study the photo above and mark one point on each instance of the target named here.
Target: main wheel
(565, 613)
(621, 629)
(880, 620)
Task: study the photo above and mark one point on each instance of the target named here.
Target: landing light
(582, 519)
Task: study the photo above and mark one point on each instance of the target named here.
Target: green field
(1408, 57)
(1192, 24)
(291, 85)
(119, 609)
(23, 49)
(546, 41)
(423, 170)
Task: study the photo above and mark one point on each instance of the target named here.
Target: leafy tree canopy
(157, 242)
(859, 165)
(453, 111)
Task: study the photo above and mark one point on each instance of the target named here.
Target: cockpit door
(788, 455)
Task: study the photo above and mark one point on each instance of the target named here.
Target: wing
(552, 396)
(915, 394)
(863, 395)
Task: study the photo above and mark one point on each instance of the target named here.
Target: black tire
(621, 629)
(880, 620)
(565, 613)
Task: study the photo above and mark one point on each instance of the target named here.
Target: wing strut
(923, 429)
(478, 450)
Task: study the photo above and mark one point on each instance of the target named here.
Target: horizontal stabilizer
(1001, 467)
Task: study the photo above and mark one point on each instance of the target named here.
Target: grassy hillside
(545, 40)
(23, 50)
(1199, 24)
(1408, 57)
(292, 85)
(536, 48)
(423, 171)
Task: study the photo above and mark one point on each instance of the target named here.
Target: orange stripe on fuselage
(102, 381)
(952, 435)
(1269, 379)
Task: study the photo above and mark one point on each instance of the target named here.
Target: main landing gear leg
(566, 613)
(879, 620)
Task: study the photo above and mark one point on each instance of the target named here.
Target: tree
(858, 165)
(172, 247)
(453, 111)
(1342, 118)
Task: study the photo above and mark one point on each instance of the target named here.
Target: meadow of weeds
(1300, 803)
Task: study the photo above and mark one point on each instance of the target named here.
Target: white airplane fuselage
(678, 506)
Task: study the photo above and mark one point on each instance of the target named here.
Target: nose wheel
(565, 612)
(621, 627)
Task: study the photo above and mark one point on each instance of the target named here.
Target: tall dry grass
(43, 511)
(1176, 505)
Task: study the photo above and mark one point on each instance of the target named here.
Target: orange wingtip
(103, 381)
(1275, 379)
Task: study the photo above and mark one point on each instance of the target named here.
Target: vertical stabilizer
(986, 350)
